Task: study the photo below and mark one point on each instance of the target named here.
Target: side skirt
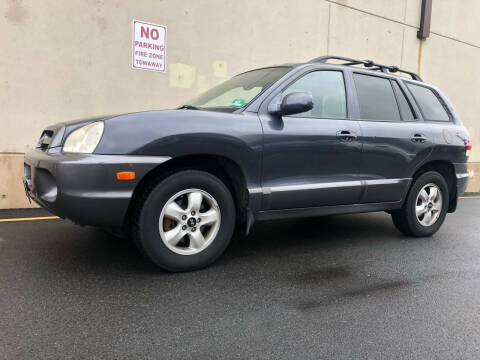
(328, 210)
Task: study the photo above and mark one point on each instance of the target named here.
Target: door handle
(346, 135)
(419, 138)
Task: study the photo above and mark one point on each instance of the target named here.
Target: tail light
(468, 146)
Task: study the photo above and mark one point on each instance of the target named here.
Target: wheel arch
(447, 170)
(222, 167)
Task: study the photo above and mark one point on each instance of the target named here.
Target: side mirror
(293, 103)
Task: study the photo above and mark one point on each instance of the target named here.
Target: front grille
(45, 140)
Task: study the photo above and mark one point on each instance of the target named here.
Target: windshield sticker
(238, 102)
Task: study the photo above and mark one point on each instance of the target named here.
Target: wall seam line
(372, 14)
(402, 23)
(403, 34)
(329, 25)
(455, 39)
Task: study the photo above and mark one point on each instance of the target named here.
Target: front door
(312, 159)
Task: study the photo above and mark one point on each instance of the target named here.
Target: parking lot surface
(342, 287)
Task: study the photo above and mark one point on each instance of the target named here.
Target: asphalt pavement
(341, 287)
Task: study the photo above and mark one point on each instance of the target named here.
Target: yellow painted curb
(30, 219)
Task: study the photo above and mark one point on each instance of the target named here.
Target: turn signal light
(126, 175)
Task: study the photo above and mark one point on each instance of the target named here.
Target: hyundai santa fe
(330, 136)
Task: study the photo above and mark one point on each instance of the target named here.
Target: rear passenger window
(430, 106)
(403, 104)
(376, 98)
(328, 93)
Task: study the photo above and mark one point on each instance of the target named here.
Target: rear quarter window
(429, 103)
(405, 108)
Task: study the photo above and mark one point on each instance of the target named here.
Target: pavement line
(30, 218)
(469, 197)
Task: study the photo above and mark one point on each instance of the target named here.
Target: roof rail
(367, 63)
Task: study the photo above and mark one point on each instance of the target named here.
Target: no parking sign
(149, 46)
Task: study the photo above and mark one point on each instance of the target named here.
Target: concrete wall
(71, 59)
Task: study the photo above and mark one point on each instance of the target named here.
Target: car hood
(75, 124)
(153, 115)
(135, 132)
(139, 132)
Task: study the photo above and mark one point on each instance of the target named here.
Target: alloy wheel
(189, 221)
(429, 204)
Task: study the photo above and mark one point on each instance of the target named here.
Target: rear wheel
(425, 207)
(185, 221)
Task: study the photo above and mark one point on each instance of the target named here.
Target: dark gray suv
(285, 141)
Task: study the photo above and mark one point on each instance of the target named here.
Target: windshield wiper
(189, 107)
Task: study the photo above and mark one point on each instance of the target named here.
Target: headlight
(85, 139)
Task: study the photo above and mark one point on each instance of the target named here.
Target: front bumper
(84, 187)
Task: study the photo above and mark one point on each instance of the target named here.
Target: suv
(284, 141)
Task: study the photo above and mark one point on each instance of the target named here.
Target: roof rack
(367, 63)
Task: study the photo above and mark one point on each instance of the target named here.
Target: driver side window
(328, 92)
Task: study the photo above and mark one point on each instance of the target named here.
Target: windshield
(238, 91)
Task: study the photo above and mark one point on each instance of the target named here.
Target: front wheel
(185, 221)
(425, 207)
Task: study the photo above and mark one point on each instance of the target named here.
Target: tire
(421, 224)
(167, 205)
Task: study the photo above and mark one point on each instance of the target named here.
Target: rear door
(311, 159)
(395, 139)
(449, 135)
